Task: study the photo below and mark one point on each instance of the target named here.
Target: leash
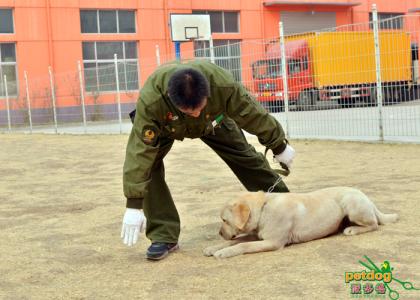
(285, 171)
(271, 188)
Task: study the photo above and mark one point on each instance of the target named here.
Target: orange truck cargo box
(346, 58)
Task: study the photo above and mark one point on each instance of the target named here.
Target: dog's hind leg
(364, 217)
(353, 230)
(361, 211)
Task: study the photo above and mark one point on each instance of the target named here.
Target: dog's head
(234, 217)
(241, 216)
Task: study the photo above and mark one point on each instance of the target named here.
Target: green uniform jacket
(157, 119)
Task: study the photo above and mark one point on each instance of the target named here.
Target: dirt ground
(61, 207)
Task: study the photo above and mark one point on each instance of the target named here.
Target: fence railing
(353, 82)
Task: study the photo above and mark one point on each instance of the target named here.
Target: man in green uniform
(196, 99)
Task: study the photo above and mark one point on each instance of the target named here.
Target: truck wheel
(306, 100)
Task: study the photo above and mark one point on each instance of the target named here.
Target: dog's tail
(385, 218)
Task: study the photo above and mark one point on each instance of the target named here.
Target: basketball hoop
(190, 27)
(191, 33)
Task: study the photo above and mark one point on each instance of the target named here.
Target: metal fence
(353, 82)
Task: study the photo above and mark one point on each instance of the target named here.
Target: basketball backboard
(187, 27)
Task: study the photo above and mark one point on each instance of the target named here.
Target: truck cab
(268, 79)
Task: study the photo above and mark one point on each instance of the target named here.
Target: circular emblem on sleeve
(149, 135)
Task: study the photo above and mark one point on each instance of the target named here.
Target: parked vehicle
(335, 68)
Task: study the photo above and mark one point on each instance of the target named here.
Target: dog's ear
(241, 212)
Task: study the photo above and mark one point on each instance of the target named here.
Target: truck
(335, 69)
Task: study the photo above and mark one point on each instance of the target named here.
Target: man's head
(188, 89)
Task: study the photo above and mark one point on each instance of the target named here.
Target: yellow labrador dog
(278, 219)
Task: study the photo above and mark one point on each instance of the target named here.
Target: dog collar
(261, 211)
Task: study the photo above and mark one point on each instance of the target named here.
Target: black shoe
(159, 250)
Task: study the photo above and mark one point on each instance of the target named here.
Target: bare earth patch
(61, 207)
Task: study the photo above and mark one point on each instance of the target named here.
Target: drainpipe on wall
(262, 20)
(165, 18)
(49, 33)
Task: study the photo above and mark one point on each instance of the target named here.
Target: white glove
(286, 156)
(134, 222)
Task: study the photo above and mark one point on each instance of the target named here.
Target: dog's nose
(233, 236)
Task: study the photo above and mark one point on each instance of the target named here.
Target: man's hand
(134, 222)
(286, 157)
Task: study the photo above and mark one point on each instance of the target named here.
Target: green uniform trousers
(229, 142)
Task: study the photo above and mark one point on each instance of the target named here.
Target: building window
(107, 21)
(99, 66)
(395, 21)
(222, 21)
(8, 68)
(227, 54)
(6, 21)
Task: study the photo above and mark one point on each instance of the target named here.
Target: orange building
(38, 34)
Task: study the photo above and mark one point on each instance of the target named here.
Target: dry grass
(61, 208)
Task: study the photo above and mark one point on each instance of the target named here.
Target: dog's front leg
(209, 251)
(250, 247)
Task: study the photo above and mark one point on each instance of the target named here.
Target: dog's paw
(352, 230)
(225, 253)
(209, 251)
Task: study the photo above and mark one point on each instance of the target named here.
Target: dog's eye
(224, 221)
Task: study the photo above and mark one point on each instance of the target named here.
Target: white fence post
(211, 50)
(9, 123)
(28, 100)
(284, 76)
(82, 96)
(53, 98)
(378, 71)
(157, 55)
(118, 91)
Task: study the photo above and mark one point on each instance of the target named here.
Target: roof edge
(282, 2)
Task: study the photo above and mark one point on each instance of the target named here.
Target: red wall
(47, 32)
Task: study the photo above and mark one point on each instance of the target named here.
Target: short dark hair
(187, 88)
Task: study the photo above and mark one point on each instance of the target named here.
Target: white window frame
(96, 61)
(227, 57)
(223, 19)
(237, 20)
(118, 23)
(3, 92)
(381, 18)
(13, 19)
